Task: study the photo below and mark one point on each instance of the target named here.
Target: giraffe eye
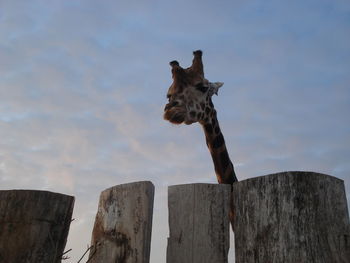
(200, 87)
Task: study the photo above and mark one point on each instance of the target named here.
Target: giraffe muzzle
(173, 114)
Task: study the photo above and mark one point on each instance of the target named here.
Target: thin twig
(93, 253)
(69, 250)
(63, 257)
(85, 253)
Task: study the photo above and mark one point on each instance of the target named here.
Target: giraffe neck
(216, 144)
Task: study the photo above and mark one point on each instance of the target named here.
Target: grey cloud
(83, 86)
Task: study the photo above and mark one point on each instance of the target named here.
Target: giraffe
(190, 101)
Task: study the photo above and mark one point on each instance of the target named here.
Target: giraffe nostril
(170, 105)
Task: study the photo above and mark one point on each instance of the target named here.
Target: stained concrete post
(34, 225)
(198, 223)
(123, 224)
(291, 217)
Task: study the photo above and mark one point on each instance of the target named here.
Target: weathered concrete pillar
(198, 223)
(123, 225)
(291, 217)
(33, 225)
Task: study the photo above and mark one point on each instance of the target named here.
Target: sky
(83, 86)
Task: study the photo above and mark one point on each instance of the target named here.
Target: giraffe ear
(214, 87)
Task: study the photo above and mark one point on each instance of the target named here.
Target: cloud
(83, 87)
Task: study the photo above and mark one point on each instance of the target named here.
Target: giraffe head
(190, 94)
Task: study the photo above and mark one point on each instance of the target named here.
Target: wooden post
(198, 223)
(291, 217)
(123, 225)
(33, 225)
